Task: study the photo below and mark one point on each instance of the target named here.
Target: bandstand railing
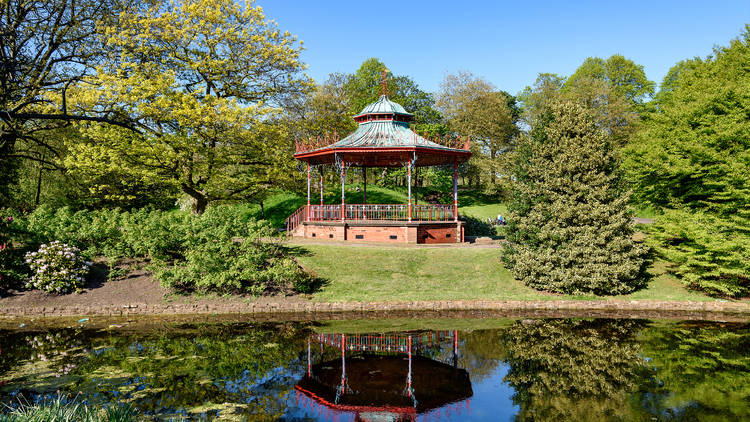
(373, 212)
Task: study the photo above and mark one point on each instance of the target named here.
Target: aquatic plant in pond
(57, 267)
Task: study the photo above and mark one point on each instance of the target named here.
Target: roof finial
(384, 81)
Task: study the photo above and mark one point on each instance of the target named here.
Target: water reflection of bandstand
(385, 377)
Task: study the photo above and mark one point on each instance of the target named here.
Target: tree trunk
(199, 199)
(262, 211)
(39, 184)
(8, 166)
(199, 205)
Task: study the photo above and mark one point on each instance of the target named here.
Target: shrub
(710, 253)
(57, 268)
(226, 251)
(477, 227)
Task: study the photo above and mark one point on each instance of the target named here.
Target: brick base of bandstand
(414, 232)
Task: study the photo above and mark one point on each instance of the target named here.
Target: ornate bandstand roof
(384, 105)
(383, 139)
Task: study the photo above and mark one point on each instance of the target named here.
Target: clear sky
(506, 42)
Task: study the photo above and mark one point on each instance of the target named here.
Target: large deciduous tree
(364, 87)
(569, 229)
(201, 79)
(626, 78)
(472, 106)
(45, 48)
(692, 157)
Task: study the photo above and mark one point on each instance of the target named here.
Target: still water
(441, 370)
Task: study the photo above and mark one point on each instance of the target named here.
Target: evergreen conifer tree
(569, 229)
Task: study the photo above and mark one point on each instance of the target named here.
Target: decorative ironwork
(312, 143)
(384, 81)
(339, 162)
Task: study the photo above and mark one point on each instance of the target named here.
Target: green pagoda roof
(383, 139)
(384, 106)
(383, 134)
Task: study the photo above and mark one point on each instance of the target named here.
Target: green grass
(398, 273)
(382, 273)
(483, 212)
(644, 212)
(58, 410)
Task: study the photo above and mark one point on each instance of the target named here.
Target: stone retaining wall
(739, 309)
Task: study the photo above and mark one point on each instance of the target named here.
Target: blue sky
(506, 42)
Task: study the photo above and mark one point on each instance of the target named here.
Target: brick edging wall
(742, 308)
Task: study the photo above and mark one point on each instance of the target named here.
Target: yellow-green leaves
(201, 79)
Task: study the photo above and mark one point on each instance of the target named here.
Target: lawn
(401, 273)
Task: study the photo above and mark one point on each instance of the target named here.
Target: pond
(395, 370)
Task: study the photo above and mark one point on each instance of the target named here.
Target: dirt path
(140, 295)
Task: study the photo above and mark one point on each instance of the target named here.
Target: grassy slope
(384, 273)
(399, 273)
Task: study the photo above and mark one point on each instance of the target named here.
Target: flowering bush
(57, 267)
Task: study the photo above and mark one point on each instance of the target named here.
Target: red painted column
(343, 179)
(408, 183)
(321, 191)
(307, 216)
(364, 184)
(455, 192)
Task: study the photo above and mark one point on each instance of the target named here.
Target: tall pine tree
(570, 230)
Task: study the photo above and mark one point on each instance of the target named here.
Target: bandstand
(396, 377)
(383, 139)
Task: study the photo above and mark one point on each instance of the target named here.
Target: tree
(201, 79)
(616, 88)
(627, 79)
(691, 156)
(534, 99)
(569, 229)
(472, 106)
(45, 47)
(364, 87)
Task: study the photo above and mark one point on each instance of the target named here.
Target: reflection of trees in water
(573, 369)
(239, 368)
(702, 371)
(482, 353)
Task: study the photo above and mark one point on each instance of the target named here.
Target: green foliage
(476, 226)
(569, 229)
(691, 156)
(201, 81)
(474, 107)
(627, 78)
(363, 87)
(60, 410)
(709, 253)
(224, 250)
(57, 268)
(223, 254)
(12, 268)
